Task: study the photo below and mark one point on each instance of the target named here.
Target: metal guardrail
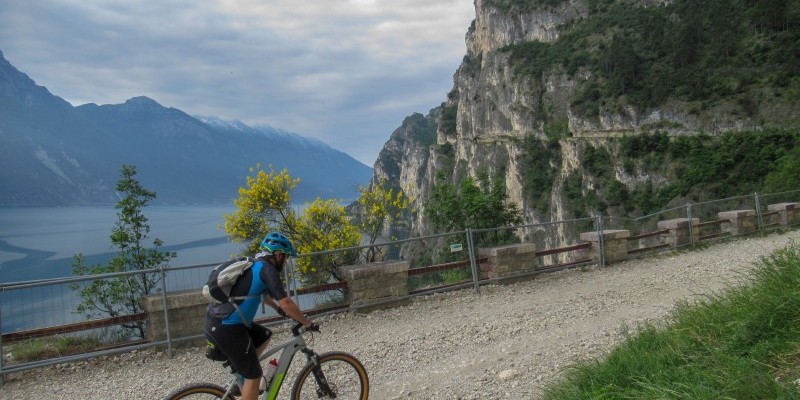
(558, 249)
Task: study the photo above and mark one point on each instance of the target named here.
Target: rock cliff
(492, 114)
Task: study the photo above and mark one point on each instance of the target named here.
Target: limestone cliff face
(495, 111)
(405, 157)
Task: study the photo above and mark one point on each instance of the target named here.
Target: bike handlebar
(298, 329)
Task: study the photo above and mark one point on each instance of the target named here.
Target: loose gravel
(505, 343)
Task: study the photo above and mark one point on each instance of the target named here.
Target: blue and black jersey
(267, 283)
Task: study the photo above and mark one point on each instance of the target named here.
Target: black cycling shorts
(239, 344)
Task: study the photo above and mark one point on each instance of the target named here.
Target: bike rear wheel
(198, 391)
(338, 375)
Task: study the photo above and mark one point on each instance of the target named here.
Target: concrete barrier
(186, 309)
(679, 233)
(740, 221)
(384, 282)
(504, 261)
(787, 213)
(615, 243)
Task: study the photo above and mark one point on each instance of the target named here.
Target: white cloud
(341, 71)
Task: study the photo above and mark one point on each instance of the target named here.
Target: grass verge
(48, 347)
(743, 343)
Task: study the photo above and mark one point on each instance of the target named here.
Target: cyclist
(242, 341)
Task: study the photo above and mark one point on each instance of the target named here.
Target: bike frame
(296, 344)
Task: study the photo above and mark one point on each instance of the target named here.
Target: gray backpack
(220, 282)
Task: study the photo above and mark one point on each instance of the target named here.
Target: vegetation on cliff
(737, 58)
(745, 53)
(723, 73)
(698, 167)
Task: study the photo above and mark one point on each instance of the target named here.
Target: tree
(621, 65)
(324, 225)
(473, 204)
(380, 205)
(264, 205)
(785, 176)
(441, 209)
(123, 295)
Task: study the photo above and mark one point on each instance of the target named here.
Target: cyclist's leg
(250, 389)
(235, 341)
(260, 336)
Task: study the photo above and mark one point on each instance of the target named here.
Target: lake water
(39, 243)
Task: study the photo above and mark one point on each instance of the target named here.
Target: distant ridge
(54, 154)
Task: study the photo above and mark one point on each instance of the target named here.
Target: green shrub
(739, 344)
(50, 347)
(448, 121)
(707, 52)
(540, 160)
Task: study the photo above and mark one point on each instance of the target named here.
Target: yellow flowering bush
(380, 205)
(263, 205)
(324, 225)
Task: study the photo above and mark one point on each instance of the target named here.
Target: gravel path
(504, 343)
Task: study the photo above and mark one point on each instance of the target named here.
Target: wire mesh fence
(56, 311)
(778, 209)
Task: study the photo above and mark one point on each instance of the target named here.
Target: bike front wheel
(199, 391)
(337, 375)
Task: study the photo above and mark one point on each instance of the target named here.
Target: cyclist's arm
(270, 276)
(272, 304)
(290, 308)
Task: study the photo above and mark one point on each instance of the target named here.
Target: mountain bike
(332, 375)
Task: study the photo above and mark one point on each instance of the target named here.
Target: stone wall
(382, 282)
(615, 243)
(186, 309)
(505, 261)
(679, 233)
(787, 214)
(385, 284)
(739, 221)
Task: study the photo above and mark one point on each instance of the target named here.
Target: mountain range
(55, 154)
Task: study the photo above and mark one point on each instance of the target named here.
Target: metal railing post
(759, 217)
(291, 285)
(600, 242)
(473, 264)
(163, 273)
(691, 225)
(2, 376)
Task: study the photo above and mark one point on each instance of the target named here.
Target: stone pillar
(788, 213)
(504, 261)
(615, 243)
(741, 221)
(679, 230)
(187, 309)
(381, 282)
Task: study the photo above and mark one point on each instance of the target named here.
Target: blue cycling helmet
(275, 241)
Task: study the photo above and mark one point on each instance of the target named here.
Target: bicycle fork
(323, 388)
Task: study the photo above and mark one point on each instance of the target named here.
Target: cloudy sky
(344, 71)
